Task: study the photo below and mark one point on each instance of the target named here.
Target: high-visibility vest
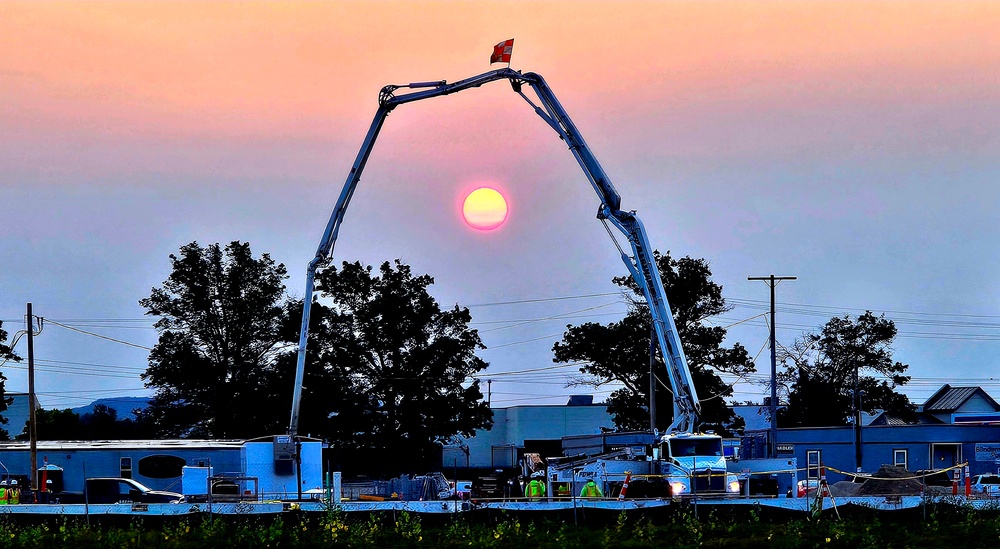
(591, 490)
(14, 497)
(3, 496)
(535, 489)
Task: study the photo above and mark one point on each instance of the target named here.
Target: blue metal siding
(100, 462)
(879, 442)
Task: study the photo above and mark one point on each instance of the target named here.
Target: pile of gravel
(881, 483)
(844, 488)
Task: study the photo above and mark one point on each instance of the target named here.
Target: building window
(899, 458)
(161, 466)
(814, 460)
(126, 468)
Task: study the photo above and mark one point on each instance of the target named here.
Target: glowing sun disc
(484, 209)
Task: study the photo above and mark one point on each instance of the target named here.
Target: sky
(853, 145)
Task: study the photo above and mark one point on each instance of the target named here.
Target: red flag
(501, 52)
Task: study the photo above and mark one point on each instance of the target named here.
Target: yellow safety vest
(3, 496)
(591, 490)
(536, 489)
(14, 497)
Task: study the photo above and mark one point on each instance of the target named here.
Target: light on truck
(677, 488)
(734, 486)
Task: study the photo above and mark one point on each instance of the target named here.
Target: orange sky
(232, 69)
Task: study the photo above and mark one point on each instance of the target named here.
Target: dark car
(126, 490)
(932, 477)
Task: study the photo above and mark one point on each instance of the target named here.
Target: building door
(945, 455)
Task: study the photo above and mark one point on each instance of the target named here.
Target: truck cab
(694, 464)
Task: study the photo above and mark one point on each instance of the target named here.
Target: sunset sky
(851, 144)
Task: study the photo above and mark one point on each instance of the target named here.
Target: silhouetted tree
(222, 319)
(390, 367)
(6, 353)
(825, 368)
(619, 352)
(57, 425)
(101, 424)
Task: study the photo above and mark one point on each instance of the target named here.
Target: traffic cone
(628, 477)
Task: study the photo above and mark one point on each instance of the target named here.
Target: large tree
(849, 362)
(392, 367)
(618, 353)
(101, 424)
(6, 353)
(223, 324)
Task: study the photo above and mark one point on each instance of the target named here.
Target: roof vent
(580, 400)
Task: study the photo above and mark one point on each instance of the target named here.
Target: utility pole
(856, 395)
(772, 281)
(32, 428)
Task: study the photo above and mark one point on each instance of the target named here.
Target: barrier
(628, 477)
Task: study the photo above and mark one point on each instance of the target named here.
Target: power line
(138, 369)
(78, 371)
(98, 335)
(559, 317)
(542, 299)
(556, 317)
(540, 338)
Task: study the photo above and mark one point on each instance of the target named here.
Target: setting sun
(484, 209)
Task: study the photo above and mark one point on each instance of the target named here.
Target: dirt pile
(891, 481)
(844, 488)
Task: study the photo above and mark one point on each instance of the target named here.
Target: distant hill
(122, 405)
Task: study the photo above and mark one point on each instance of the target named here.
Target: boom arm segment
(641, 265)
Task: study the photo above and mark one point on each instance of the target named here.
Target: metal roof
(887, 419)
(53, 445)
(949, 399)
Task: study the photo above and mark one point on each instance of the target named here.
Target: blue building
(955, 425)
(533, 428)
(161, 464)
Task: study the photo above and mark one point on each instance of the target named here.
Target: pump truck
(672, 459)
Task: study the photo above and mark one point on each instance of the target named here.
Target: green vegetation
(826, 369)
(386, 374)
(939, 526)
(618, 352)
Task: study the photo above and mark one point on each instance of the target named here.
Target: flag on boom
(501, 52)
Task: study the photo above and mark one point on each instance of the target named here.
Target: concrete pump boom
(641, 264)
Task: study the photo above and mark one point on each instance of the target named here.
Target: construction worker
(535, 490)
(591, 490)
(14, 494)
(3, 492)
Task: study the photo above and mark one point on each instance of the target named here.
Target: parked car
(987, 485)
(806, 487)
(935, 477)
(119, 490)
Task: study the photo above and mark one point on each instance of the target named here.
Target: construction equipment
(641, 263)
